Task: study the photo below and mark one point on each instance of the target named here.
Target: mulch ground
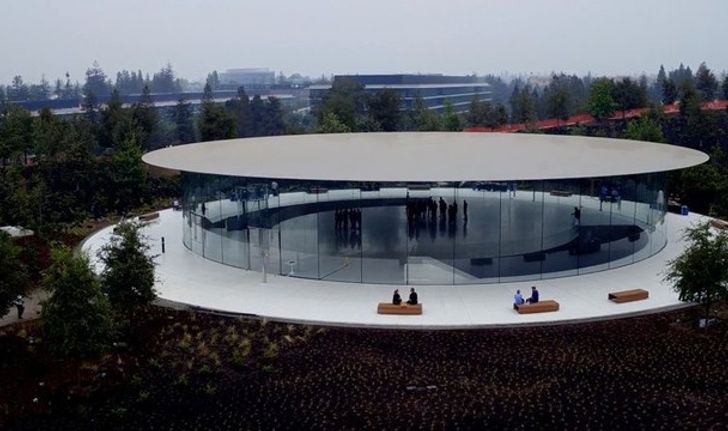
(195, 371)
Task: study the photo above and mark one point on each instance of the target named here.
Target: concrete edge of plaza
(171, 295)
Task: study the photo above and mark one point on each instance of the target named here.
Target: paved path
(32, 308)
(189, 279)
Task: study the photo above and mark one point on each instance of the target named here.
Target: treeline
(347, 108)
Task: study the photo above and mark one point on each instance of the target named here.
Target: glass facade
(425, 233)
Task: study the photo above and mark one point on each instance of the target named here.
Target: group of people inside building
(422, 209)
(347, 218)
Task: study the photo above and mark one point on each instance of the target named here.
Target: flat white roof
(425, 156)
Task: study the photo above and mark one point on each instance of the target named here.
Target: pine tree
(13, 277)
(183, 122)
(128, 276)
(76, 317)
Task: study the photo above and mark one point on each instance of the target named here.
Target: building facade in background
(248, 77)
(434, 89)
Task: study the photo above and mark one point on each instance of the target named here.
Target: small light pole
(162, 244)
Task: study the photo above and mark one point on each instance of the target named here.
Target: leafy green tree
(629, 94)
(450, 119)
(77, 319)
(128, 276)
(273, 124)
(347, 100)
(129, 175)
(16, 138)
(239, 107)
(331, 124)
(558, 103)
(601, 102)
(644, 129)
(706, 83)
(700, 273)
(425, 120)
(523, 105)
(214, 123)
(114, 122)
(384, 108)
(48, 134)
(13, 277)
(669, 92)
(183, 121)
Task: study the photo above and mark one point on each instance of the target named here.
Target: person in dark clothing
(413, 297)
(396, 299)
(534, 296)
(20, 306)
(577, 215)
(465, 210)
(443, 207)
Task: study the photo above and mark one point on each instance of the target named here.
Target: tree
(724, 87)
(239, 107)
(523, 105)
(601, 102)
(214, 123)
(114, 121)
(76, 317)
(128, 276)
(96, 82)
(629, 94)
(213, 80)
(273, 123)
(451, 119)
(700, 273)
(18, 91)
(164, 81)
(669, 92)
(706, 83)
(145, 117)
(13, 277)
(558, 104)
(384, 108)
(129, 174)
(17, 135)
(425, 120)
(331, 124)
(644, 129)
(48, 132)
(183, 122)
(347, 100)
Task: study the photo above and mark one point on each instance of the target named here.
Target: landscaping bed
(197, 371)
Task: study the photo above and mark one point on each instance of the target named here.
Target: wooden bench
(539, 307)
(148, 217)
(718, 224)
(628, 295)
(403, 308)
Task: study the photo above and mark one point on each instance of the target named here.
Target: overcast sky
(312, 37)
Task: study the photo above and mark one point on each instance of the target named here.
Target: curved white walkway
(187, 278)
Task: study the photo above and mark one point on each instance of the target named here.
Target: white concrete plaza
(190, 279)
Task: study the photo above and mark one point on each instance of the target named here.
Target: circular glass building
(425, 208)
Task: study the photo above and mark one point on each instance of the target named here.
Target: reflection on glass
(424, 233)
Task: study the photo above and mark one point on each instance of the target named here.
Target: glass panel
(340, 232)
(384, 233)
(521, 231)
(433, 220)
(476, 248)
(562, 211)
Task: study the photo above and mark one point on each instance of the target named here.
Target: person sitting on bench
(396, 299)
(413, 297)
(534, 296)
(518, 299)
